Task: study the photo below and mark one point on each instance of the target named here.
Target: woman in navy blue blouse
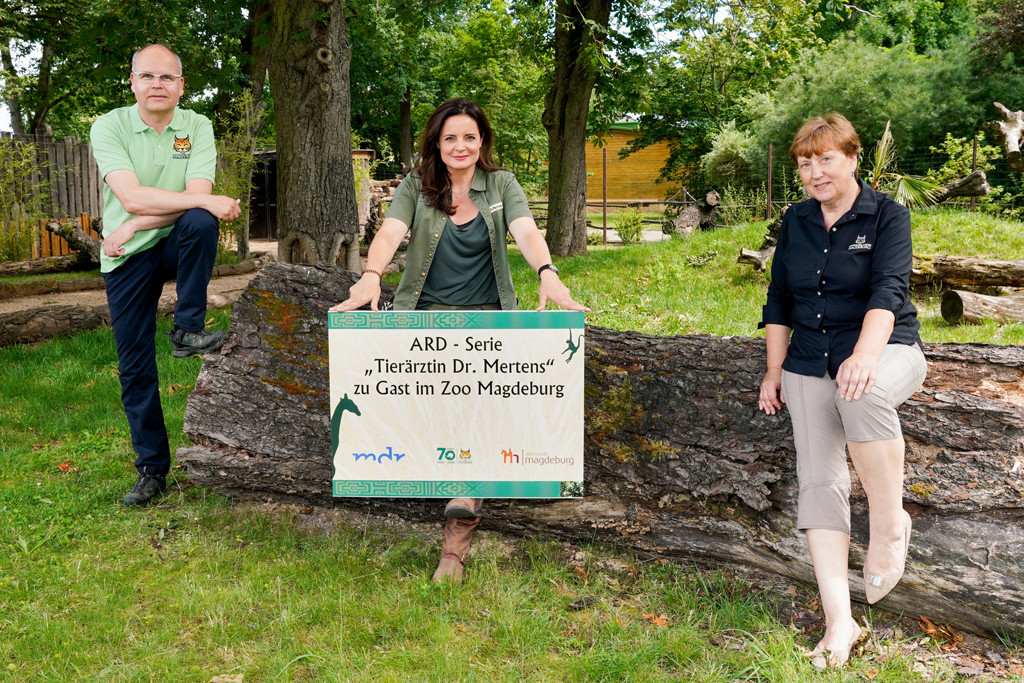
(843, 353)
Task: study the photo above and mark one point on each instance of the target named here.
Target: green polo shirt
(122, 141)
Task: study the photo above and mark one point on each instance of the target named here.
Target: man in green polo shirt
(159, 223)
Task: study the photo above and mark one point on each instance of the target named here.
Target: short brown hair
(822, 133)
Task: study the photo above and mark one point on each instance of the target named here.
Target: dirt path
(230, 285)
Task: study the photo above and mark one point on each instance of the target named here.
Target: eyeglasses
(148, 78)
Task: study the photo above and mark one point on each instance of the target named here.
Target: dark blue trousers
(186, 255)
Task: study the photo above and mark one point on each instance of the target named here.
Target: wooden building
(631, 178)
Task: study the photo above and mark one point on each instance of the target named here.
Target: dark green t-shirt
(462, 272)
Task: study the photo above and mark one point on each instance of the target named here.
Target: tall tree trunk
(13, 101)
(38, 123)
(256, 48)
(565, 117)
(309, 74)
(405, 130)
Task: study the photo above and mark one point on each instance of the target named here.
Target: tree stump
(1011, 130)
(679, 461)
(959, 306)
(700, 215)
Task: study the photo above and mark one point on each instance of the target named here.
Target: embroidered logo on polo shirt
(182, 147)
(496, 207)
(860, 243)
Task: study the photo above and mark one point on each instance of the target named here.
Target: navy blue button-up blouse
(824, 281)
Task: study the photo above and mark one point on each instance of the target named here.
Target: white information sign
(481, 404)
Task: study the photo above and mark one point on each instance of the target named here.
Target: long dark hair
(435, 183)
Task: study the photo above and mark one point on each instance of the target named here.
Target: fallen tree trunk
(959, 306)
(50, 264)
(965, 272)
(17, 290)
(679, 462)
(973, 185)
(43, 322)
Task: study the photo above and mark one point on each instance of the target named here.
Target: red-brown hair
(822, 133)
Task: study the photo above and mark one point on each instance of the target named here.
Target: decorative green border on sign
(448, 320)
(369, 488)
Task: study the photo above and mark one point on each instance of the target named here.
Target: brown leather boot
(464, 508)
(458, 534)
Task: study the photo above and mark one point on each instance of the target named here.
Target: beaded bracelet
(375, 272)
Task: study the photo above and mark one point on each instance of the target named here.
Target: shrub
(24, 198)
(629, 224)
(727, 162)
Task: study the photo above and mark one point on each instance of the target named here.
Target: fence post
(604, 191)
(974, 165)
(768, 208)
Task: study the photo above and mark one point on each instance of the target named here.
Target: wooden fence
(68, 170)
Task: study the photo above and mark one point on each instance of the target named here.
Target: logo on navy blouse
(182, 147)
(860, 243)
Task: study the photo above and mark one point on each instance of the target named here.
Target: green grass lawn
(196, 587)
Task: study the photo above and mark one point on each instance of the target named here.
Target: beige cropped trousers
(823, 422)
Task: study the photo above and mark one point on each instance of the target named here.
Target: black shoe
(147, 487)
(195, 343)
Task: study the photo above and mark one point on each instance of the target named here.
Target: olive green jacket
(500, 199)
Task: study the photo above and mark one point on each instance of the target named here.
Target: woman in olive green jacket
(456, 207)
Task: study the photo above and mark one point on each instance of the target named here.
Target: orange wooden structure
(45, 243)
(632, 178)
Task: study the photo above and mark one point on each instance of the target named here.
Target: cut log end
(952, 307)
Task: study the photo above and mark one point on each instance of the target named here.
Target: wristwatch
(549, 266)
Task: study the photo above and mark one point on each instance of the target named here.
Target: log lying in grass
(964, 272)
(50, 264)
(759, 259)
(959, 306)
(43, 322)
(17, 290)
(679, 462)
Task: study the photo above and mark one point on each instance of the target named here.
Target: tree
(580, 28)
(726, 52)
(309, 76)
(492, 58)
(77, 55)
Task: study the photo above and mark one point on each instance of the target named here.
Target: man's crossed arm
(156, 208)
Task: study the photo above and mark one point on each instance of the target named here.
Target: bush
(742, 205)
(960, 162)
(727, 162)
(629, 224)
(24, 198)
